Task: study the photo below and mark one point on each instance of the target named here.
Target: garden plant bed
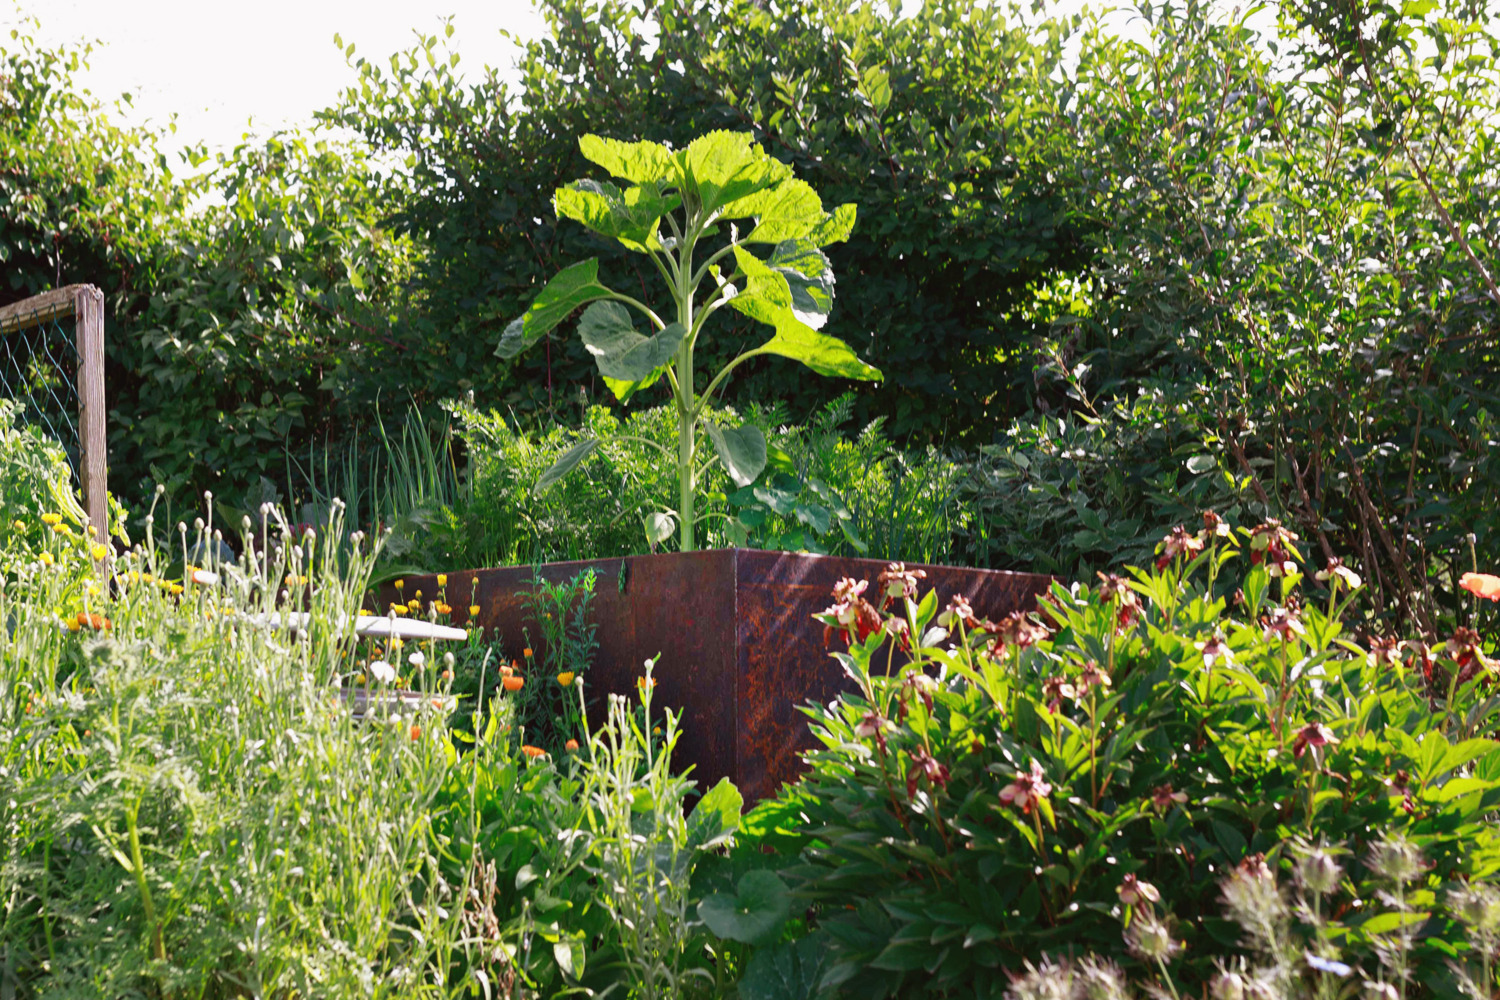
(738, 644)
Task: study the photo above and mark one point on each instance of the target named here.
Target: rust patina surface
(739, 647)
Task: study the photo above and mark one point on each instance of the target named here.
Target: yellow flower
(62, 529)
(413, 604)
(52, 519)
(98, 552)
(367, 614)
(418, 595)
(397, 643)
(19, 525)
(176, 588)
(400, 584)
(565, 678)
(442, 579)
(73, 625)
(473, 611)
(398, 610)
(46, 558)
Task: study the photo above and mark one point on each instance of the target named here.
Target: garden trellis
(56, 369)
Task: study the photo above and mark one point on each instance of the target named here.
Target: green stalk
(138, 864)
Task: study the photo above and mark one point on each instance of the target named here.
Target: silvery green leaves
(628, 360)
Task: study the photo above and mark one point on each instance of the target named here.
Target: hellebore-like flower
(1339, 573)
(1017, 629)
(1177, 543)
(1214, 648)
(1092, 676)
(1283, 624)
(1214, 525)
(924, 765)
(1055, 689)
(872, 724)
(1024, 792)
(1132, 890)
(1274, 545)
(1384, 651)
(1314, 734)
(1113, 588)
(897, 581)
(1163, 798)
(958, 610)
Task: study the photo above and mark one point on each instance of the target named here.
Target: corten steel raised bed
(739, 647)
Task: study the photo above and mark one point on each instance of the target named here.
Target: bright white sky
(229, 67)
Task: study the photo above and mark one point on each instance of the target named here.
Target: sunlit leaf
(572, 287)
(637, 162)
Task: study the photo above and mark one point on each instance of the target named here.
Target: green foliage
(190, 810)
(940, 126)
(1296, 262)
(983, 800)
(719, 176)
(889, 503)
(585, 861)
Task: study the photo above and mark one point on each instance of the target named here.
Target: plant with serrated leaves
(699, 192)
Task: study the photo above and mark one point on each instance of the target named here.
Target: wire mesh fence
(39, 370)
(52, 363)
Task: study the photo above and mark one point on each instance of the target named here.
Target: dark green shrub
(994, 799)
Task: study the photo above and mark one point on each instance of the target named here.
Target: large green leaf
(570, 288)
(716, 816)
(620, 352)
(795, 339)
(789, 211)
(742, 450)
(788, 970)
(809, 275)
(723, 167)
(637, 162)
(569, 461)
(760, 905)
(762, 282)
(835, 227)
(630, 216)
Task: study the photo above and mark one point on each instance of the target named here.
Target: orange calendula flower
(1481, 585)
(565, 678)
(570, 746)
(526, 653)
(416, 733)
(533, 752)
(645, 683)
(98, 623)
(513, 683)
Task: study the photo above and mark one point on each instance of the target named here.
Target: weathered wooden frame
(85, 303)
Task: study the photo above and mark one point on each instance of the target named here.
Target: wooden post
(85, 304)
(88, 315)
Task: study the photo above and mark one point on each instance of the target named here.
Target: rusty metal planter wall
(739, 648)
